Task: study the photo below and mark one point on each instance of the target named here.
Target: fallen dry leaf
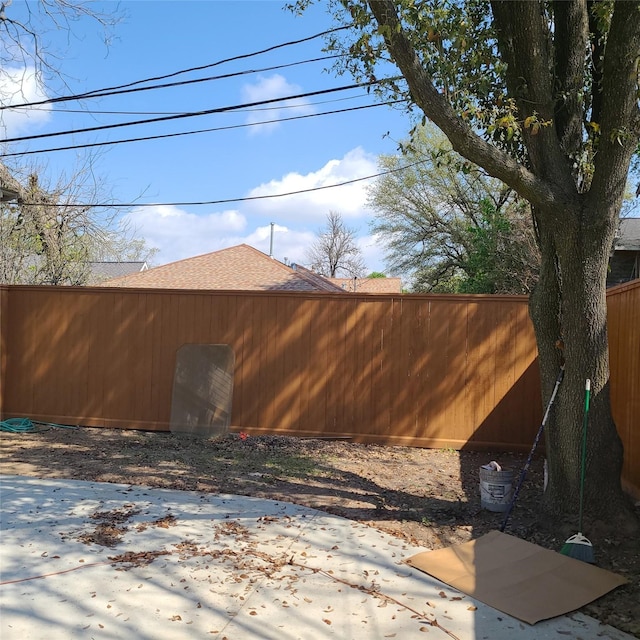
(133, 457)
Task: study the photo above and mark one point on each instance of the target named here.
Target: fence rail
(423, 370)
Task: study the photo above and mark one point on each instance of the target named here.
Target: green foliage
(376, 274)
(457, 45)
(488, 244)
(448, 226)
(459, 48)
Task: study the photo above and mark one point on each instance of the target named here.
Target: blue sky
(157, 38)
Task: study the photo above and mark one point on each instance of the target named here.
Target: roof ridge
(240, 266)
(317, 278)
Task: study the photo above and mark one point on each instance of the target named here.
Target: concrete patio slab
(191, 565)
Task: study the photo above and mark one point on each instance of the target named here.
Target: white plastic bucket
(496, 489)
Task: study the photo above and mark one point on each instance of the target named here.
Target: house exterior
(243, 268)
(101, 271)
(237, 268)
(624, 263)
(369, 285)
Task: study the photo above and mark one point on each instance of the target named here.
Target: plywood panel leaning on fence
(202, 390)
(415, 370)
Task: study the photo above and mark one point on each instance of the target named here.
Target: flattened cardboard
(517, 577)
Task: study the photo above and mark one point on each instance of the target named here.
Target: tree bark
(575, 218)
(569, 305)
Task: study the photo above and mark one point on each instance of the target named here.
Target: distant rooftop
(628, 236)
(243, 268)
(101, 271)
(237, 268)
(369, 285)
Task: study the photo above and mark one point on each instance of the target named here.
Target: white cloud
(178, 234)
(18, 86)
(268, 88)
(313, 206)
(372, 252)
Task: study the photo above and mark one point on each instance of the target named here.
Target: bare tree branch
(335, 252)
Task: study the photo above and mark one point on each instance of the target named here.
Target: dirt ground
(428, 497)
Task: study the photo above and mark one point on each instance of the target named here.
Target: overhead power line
(97, 93)
(281, 107)
(191, 114)
(182, 83)
(197, 131)
(131, 205)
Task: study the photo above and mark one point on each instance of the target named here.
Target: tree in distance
(543, 96)
(335, 252)
(449, 225)
(47, 239)
(44, 237)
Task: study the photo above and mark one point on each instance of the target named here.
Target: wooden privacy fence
(623, 303)
(420, 370)
(429, 371)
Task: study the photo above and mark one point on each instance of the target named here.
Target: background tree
(25, 57)
(544, 97)
(47, 239)
(448, 225)
(335, 252)
(121, 244)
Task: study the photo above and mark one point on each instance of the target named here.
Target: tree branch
(463, 139)
(571, 37)
(524, 41)
(597, 56)
(621, 79)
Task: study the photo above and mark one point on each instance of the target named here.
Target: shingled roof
(628, 236)
(101, 271)
(237, 268)
(369, 285)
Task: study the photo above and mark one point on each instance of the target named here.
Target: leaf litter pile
(244, 561)
(427, 497)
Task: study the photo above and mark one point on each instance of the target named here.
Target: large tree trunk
(569, 307)
(576, 208)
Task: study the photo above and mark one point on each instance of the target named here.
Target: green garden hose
(24, 425)
(18, 425)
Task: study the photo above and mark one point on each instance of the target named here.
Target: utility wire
(175, 113)
(96, 93)
(191, 114)
(188, 133)
(182, 83)
(227, 200)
